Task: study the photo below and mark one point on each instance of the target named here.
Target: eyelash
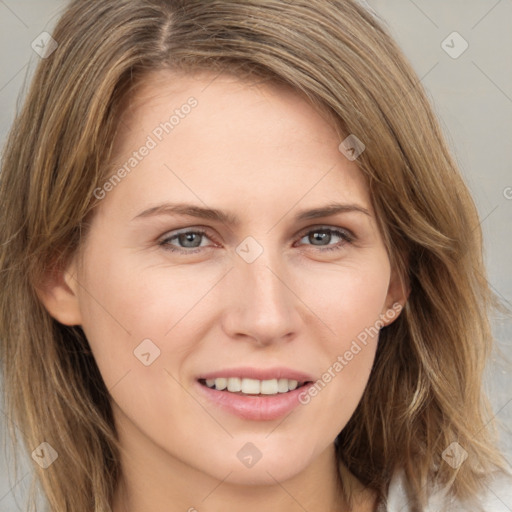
(343, 234)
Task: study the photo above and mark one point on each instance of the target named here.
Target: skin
(263, 153)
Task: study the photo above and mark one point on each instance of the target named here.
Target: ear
(398, 293)
(57, 290)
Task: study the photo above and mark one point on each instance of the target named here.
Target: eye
(321, 236)
(190, 241)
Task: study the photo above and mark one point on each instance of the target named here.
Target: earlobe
(390, 314)
(398, 293)
(57, 291)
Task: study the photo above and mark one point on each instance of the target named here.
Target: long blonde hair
(425, 389)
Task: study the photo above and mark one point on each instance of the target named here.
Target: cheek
(124, 303)
(349, 301)
(348, 297)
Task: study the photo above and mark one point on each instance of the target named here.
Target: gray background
(472, 95)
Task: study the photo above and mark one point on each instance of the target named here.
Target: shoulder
(496, 498)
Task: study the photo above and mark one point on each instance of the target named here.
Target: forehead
(248, 139)
(160, 92)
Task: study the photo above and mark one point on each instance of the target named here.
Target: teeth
(269, 387)
(220, 384)
(234, 384)
(292, 384)
(253, 386)
(282, 385)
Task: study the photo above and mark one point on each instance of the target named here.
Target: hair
(425, 388)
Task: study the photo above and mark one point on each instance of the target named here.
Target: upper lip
(259, 374)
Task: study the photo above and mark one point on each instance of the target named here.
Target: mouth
(253, 387)
(255, 394)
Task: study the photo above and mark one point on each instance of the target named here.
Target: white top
(497, 498)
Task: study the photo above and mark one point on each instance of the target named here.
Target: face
(238, 286)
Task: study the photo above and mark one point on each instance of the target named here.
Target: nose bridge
(265, 283)
(263, 306)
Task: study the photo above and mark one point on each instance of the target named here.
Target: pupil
(188, 237)
(320, 235)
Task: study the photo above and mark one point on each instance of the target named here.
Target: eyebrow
(213, 214)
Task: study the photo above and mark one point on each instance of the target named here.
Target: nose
(261, 305)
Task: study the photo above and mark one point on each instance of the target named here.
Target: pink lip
(259, 374)
(255, 407)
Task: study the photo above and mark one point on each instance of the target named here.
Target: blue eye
(186, 237)
(191, 240)
(326, 233)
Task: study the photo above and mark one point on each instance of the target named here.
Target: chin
(271, 467)
(258, 475)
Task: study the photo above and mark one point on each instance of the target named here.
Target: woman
(175, 335)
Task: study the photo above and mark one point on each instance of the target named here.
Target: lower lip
(255, 407)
